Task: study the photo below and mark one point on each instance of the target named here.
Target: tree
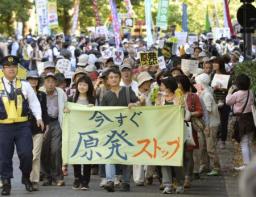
(13, 11)
(64, 15)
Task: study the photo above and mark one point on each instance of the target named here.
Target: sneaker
(125, 187)
(109, 186)
(167, 190)
(76, 184)
(103, 182)
(240, 168)
(179, 190)
(84, 186)
(117, 181)
(213, 173)
(35, 186)
(1, 184)
(60, 183)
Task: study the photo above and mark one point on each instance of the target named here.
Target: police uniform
(16, 98)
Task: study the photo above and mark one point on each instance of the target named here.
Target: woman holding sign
(169, 97)
(220, 93)
(84, 96)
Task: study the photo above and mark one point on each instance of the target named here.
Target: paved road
(206, 187)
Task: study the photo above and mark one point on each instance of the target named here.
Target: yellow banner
(118, 135)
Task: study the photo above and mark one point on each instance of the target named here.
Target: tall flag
(52, 13)
(42, 17)
(96, 11)
(162, 14)
(128, 6)
(148, 15)
(207, 22)
(184, 17)
(215, 15)
(115, 22)
(227, 18)
(75, 17)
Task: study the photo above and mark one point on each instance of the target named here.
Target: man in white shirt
(16, 99)
(127, 81)
(15, 47)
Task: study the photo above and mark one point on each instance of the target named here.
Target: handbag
(189, 139)
(236, 132)
(197, 123)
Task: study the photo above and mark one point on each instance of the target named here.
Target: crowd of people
(97, 81)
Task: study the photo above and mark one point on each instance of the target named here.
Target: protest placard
(40, 67)
(63, 65)
(101, 31)
(118, 135)
(220, 81)
(148, 58)
(182, 37)
(118, 56)
(161, 63)
(128, 22)
(107, 53)
(192, 39)
(220, 33)
(190, 66)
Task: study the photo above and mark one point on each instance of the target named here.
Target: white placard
(161, 63)
(182, 37)
(190, 66)
(101, 31)
(221, 32)
(118, 56)
(63, 65)
(107, 53)
(40, 67)
(220, 81)
(68, 74)
(192, 39)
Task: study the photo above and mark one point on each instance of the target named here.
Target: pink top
(238, 100)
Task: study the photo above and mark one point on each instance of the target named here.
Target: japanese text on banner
(118, 135)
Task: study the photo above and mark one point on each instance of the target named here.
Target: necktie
(12, 92)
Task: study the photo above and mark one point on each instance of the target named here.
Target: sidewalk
(231, 177)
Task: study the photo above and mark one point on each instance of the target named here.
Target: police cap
(10, 60)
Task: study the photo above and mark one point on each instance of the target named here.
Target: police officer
(16, 98)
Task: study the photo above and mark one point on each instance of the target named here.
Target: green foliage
(13, 11)
(248, 68)
(64, 16)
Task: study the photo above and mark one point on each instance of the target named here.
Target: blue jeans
(111, 172)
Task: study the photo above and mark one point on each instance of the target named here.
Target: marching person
(51, 150)
(37, 133)
(17, 97)
(118, 96)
